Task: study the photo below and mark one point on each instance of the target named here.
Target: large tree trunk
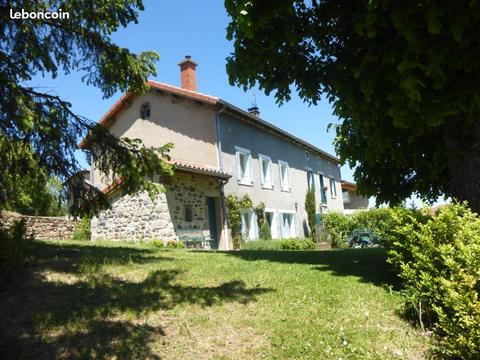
(464, 164)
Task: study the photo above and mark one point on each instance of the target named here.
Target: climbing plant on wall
(235, 206)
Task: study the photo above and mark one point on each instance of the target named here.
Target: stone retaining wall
(42, 227)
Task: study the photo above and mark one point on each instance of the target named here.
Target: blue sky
(175, 29)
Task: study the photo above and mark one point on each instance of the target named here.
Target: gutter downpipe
(222, 182)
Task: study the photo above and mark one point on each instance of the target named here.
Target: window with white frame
(333, 188)
(266, 171)
(249, 225)
(288, 225)
(284, 176)
(346, 197)
(323, 193)
(244, 161)
(310, 179)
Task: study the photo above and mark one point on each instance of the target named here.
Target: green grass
(126, 301)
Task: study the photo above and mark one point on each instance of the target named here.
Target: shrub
(438, 258)
(337, 228)
(297, 244)
(311, 213)
(265, 231)
(14, 247)
(82, 230)
(172, 244)
(262, 245)
(158, 243)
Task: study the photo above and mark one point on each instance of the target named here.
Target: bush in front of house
(172, 244)
(14, 247)
(158, 243)
(439, 261)
(382, 222)
(297, 244)
(82, 230)
(262, 245)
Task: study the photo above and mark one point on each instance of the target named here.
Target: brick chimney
(188, 75)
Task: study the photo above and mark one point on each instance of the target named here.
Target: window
(249, 225)
(288, 225)
(266, 171)
(145, 111)
(310, 180)
(188, 213)
(323, 193)
(307, 155)
(333, 189)
(271, 217)
(346, 197)
(284, 178)
(244, 160)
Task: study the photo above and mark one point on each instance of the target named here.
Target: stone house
(220, 149)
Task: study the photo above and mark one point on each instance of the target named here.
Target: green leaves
(403, 78)
(45, 122)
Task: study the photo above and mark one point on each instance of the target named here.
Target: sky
(198, 28)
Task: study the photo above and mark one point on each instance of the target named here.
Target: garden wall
(42, 227)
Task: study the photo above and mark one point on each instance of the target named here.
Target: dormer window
(145, 111)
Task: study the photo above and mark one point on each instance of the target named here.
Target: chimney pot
(188, 77)
(254, 110)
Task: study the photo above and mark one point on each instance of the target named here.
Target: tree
(311, 213)
(30, 47)
(403, 78)
(26, 187)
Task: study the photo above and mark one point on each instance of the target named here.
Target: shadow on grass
(96, 315)
(369, 265)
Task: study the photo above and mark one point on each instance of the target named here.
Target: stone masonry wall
(42, 227)
(137, 217)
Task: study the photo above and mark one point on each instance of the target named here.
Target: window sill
(245, 183)
(286, 190)
(266, 187)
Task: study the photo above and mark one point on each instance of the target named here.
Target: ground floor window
(288, 225)
(249, 225)
(271, 217)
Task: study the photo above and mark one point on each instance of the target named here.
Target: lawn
(126, 301)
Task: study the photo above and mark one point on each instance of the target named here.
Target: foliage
(27, 188)
(382, 222)
(82, 230)
(439, 262)
(46, 122)
(310, 208)
(235, 206)
(263, 226)
(337, 228)
(401, 76)
(265, 231)
(14, 247)
(172, 244)
(158, 243)
(262, 244)
(297, 244)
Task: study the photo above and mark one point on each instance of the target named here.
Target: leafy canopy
(402, 76)
(30, 48)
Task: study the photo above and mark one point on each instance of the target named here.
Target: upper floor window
(284, 176)
(333, 189)
(307, 155)
(310, 180)
(145, 111)
(266, 171)
(323, 193)
(244, 161)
